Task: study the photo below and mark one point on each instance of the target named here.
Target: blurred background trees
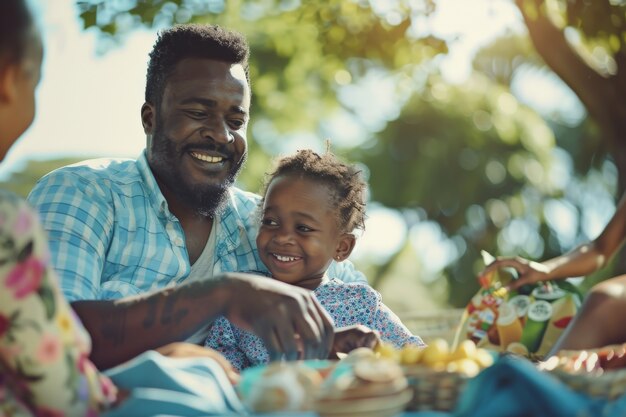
(490, 163)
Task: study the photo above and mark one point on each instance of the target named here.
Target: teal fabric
(171, 386)
(512, 387)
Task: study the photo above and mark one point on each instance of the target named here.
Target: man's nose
(218, 132)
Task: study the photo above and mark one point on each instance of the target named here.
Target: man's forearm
(122, 329)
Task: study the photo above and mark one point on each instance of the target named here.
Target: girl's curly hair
(345, 181)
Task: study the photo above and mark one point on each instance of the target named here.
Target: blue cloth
(513, 387)
(160, 385)
(112, 235)
(198, 387)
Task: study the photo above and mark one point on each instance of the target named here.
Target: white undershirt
(203, 269)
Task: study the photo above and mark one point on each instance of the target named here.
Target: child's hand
(189, 350)
(351, 337)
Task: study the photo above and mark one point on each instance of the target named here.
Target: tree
(471, 158)
(302, 52)
(584, 43)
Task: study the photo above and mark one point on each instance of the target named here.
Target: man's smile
(206, 157)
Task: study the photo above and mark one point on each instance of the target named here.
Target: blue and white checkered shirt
(112, 235)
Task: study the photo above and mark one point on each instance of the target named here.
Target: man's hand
(289, 319)
(529, 272)
(351, 337)
(189, 350)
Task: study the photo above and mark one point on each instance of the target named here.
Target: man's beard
(208, 200)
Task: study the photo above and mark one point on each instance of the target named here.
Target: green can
(537, 318)
(549, 293)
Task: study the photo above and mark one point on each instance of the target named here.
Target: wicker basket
(433, 389)
(604, 383)
(609, 385)
(434, 324)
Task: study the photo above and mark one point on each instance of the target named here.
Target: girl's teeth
(285, 258)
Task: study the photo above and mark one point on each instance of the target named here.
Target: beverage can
(548, 292)
(521, 304)
(539, 313)
(564, 310)
(508, 325)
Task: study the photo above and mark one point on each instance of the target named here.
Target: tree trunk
(604, 96)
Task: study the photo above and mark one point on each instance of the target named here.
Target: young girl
(311, 206)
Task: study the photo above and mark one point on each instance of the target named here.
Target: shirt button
(178, 241)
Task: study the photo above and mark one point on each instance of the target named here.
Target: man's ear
(8, 83)
(344, 246)
(147, 118)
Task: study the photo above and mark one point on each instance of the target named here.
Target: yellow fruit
(483, 358)
(517, 348)
(465, 350)
(464, 366)
(436, 351)
(387, 350)
(410, 354)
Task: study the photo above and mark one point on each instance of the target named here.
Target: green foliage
(470, 157)
(458, 147)
(302, 52)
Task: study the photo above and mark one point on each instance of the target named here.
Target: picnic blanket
(512, 387)
(161, 386)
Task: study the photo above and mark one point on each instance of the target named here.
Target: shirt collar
(230, 215)
(154, 192)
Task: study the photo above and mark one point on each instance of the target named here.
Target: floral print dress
(44, 365)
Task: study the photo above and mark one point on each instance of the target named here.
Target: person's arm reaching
(580, 261)
(276, 312)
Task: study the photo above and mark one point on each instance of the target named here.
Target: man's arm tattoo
(172, 314)
(150, 318)
(114, 326)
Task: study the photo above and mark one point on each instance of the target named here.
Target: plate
(383, 406)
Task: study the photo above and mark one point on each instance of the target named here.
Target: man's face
(25, 76)
(197, 138)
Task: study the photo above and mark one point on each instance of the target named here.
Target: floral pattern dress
(347, 303)
(44, 365)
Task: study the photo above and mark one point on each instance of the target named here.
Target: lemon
(410, 354)
(465, 350)
(465, 366)
(517, 348)
(483, 358)
(436, 351)
(387, 350)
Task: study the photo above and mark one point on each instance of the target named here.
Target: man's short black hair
(191, 41)
(15, 25)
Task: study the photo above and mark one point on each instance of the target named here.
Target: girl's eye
(268, 222)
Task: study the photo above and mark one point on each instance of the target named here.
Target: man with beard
(148, 250)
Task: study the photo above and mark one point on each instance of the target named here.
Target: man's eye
(195, 114)
(237, 124)
(304, 228)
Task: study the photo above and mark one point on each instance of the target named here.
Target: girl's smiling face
(300, 234)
